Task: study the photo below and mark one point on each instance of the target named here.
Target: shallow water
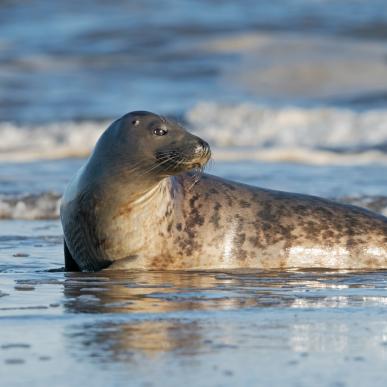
(151, 328)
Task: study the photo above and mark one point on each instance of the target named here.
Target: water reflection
(120, 341)
(153, 314)
(147, 292)
(162, 292)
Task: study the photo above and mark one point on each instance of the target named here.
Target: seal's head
(148, 143)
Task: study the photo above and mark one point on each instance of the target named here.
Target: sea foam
(319, 135)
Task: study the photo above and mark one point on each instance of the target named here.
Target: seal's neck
(138, 193)
(120, 183)
(131, 195)
(155, 194)
(130, 226)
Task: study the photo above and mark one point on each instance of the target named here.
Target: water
(290, 94)
(295, 328)
(96, 60)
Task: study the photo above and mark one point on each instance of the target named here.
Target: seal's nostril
(201, 143)
(202, 147)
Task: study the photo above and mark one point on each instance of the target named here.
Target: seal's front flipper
(122, 264)
(70, 264)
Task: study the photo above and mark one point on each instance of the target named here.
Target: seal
(141, 201)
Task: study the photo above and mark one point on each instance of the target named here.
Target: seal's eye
(135, 122)
(160, 132)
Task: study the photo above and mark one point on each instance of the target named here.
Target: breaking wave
(320, 135)
(288, 127)
(48, 141)
(312, 135)
(30, 207)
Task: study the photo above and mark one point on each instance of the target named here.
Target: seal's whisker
(163, 162)
(167, 157)
(138, 166)
(197, 174)
(153, 167)
(210, 164)
(148, 170)
(173, 160)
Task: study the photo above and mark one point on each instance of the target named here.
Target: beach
(290, 96)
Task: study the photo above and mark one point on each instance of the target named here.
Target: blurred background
(96, 60)
(268, 84)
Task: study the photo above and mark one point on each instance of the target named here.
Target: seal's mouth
(173, 161)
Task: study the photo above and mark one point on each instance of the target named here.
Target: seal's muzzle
(193, 155)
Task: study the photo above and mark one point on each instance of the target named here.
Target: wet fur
(151, 214)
